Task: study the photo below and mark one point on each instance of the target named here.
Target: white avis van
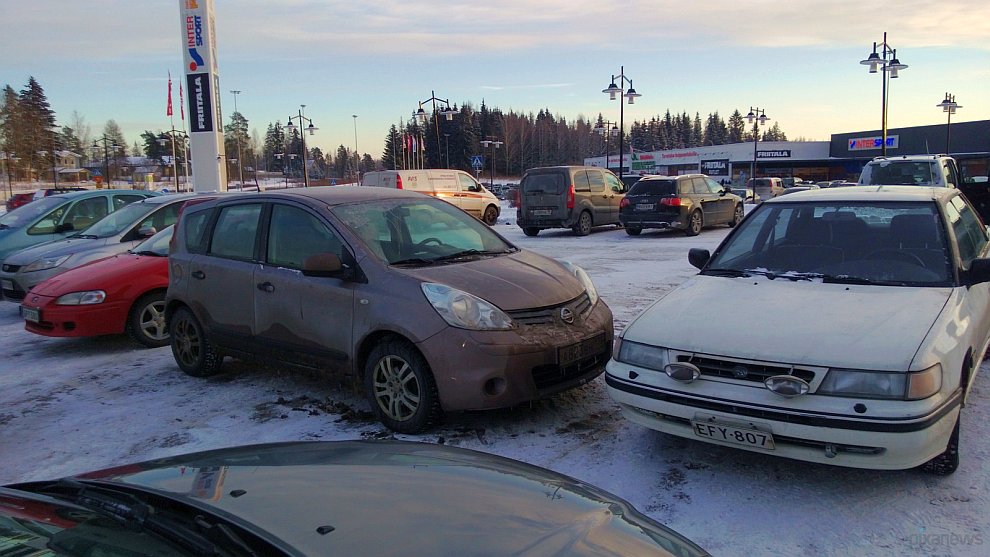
(453, 186)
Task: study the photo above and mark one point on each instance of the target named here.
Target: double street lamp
(494, 145)
(758, 117)
(620, 90)
(311, 129)
(109, 145)
(949, 107)
(886, 61)
(607, 129)
(170, 137)
(446, 110)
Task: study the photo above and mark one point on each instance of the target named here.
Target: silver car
(116, 233)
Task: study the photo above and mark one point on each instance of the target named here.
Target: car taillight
(570, 197)
(671, 201)
(624, 203)
(398, 182)
(518, 195)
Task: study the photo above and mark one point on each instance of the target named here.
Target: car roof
(89, 193)
(330, 195)
(171, 198)
(869, 193)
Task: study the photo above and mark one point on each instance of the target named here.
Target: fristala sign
(200, 97)
(778, 154)
(716, 167)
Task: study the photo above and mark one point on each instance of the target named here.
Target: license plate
(737, 435)
(580, 350)
(541, 212)
(31, 314)
(645, 206)
(7, 284)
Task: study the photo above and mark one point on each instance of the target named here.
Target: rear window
(552, 183)
(654, 187)
(901, 173)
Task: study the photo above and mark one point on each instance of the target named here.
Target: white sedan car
(841, 326)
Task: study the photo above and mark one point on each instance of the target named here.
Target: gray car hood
(68, 246)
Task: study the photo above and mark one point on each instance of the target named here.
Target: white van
(453, 186)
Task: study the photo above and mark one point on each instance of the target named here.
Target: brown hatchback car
(422, 304)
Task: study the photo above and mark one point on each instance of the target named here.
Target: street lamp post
(613, 90)
(606, 129)
(446, 145)
(108, 145)
(357, 166)
(447, 111)
(237, 138)
(886, 61)
(494, 145)
(758, 117)
(175, 175)
(949, 106)
(311, 129)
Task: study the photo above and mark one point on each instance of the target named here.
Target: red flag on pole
(182, 104)
(168, 111)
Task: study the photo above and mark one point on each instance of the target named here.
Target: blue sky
(799, 60)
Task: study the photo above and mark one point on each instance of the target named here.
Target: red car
(122, 293)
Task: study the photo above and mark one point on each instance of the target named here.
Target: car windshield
(156, 245)
(23, 216)
(900, 173)
(882, 242)
(120, 220)
(420, 231)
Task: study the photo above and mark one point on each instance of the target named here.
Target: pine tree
(38, 126)
(736, 128)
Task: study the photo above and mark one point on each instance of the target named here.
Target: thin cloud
(521, 87)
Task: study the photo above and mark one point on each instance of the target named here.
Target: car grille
(579, 306)
(743, 371)
(11, 268)
(15, 295)
(594, 352)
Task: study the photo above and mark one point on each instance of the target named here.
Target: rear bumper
(539, 222)
(652, 221)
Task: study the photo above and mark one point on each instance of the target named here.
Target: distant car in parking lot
(21, 199)
(688, 202)
(575, 197)
(878, 299)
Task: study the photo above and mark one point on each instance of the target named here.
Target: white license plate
(31, 314)
(644, 206)
(541, 212)
(7, 284)
(737, 435)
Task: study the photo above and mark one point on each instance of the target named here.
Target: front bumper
(15, 285)
(497, 369)
(107, 318)
(826, 438)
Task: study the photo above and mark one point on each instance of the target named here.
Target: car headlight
(643, 355)
(465, 311)
(82, 298)
(582, 276)
(882, 384)
(44, 263)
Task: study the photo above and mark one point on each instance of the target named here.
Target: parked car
(878, 303)
(911, 170)
(790, 187)
(575, 197)
(21, 199)
(747, 194)
(764, 186)
(689, 203)
(113, 234)
(123, 293)
(58, 216)
(316, 498)
(426, 307)
(453, 186)
(18, 200)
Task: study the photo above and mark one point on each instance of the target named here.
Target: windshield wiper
(413, 261)
(469, 253)
(725, 273)
(148, 252)
(789, 275)
(846, 279)
(85, 236)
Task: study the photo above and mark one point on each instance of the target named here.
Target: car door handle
(266, 287)
(198, 275)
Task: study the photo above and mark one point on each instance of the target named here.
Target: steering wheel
(896, 255)
(426, 241)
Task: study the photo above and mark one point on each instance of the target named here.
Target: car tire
(146, 320)
(531, 231)
(947, 462)
(583, 225)
(491, 215)
(633, 231)
(694, 224)
(400, 387)
(191, 349)
(737, 215)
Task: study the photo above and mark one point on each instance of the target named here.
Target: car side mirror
(698, 257)
(323, 265)
(979, 272)
(146, 231)
(64, 227)
(726, 189)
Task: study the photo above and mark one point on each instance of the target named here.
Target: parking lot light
(949, 106)
(886, 60)
(613, 91)
(758, 117)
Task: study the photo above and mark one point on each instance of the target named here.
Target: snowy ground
(71, 405)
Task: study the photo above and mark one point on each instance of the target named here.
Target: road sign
(477, 161)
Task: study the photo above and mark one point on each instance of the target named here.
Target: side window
(236, 230)
(47, 224)
(194, 225)
(85, 212)
(162, 218)
(700, 186)
(713, 186)
(596, 181)
(613, 183)
(467, 183)
(294, 235)
(125, 199)
(951, 179)
(580, 182)
(970, 233)
(685, 187)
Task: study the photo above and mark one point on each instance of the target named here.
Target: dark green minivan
(575, 197)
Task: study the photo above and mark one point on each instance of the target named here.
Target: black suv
(688, 203)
